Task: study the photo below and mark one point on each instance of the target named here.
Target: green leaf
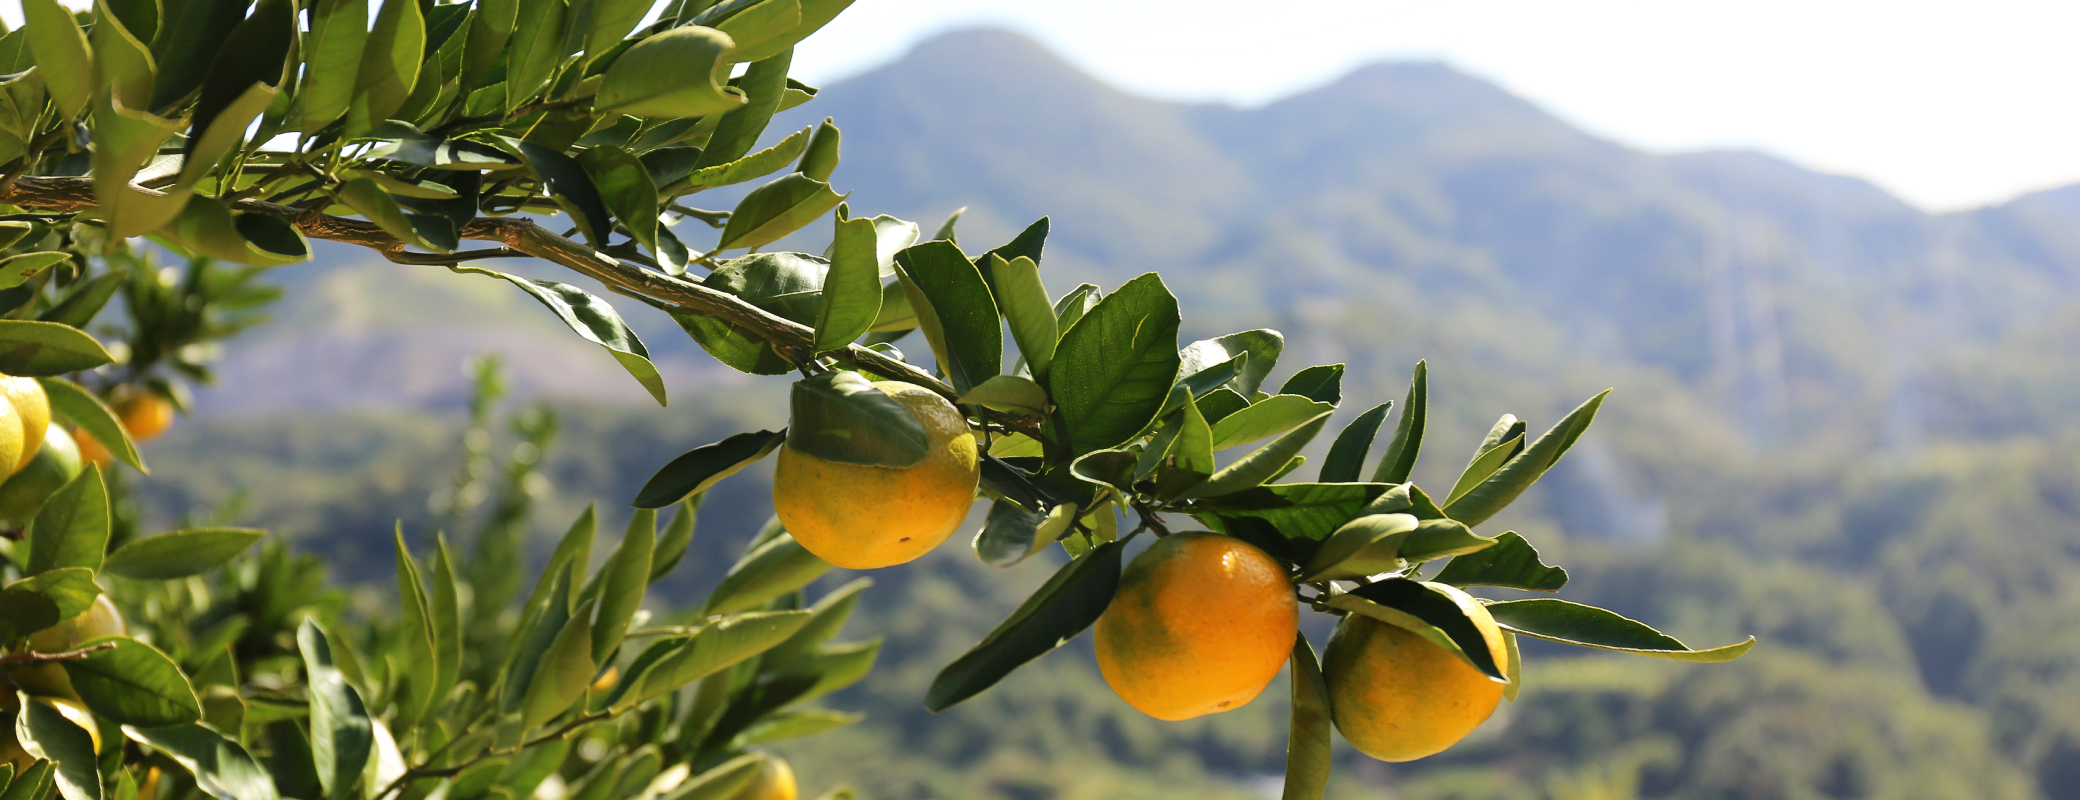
(1268, 417)
(795, 724)
(368, 199)
(417, 691)
(757, 165)
(79, 307)
(1441, 538)
(811, 16)
(342, 737)
(62, 56)
(672, 663)
(389, 67)
(851, 288)
(1115, 365)
(1501, 488)
(945, 233)
(677, 535)
(133, 683)
(1319, 383)
(1072, 306)
(763, 84)
(445, 613)
(1482, 466)
(1367, 545)
(840, 416)
(46, 733)
(1307, 735)
(625, 189)
(1405, 498)
(1263, 464)
(1025, 305)
(669, 75)
(1068, 603)
(777, 209)
(535, 50)
(1588, 626)
(1346, 458)
(47, 349)
(179, 554)
(820, 160)
(34, 782)
(566, 670)
(16, 269)
(208, 227)
(954, 308)
(242, 81)
(547, 612)
(1012, 534)
(611, 20)
(71, 530)
(1434, 611)
(702, 467)
(1512, 562)
(622, 582)
(32, 604)
(222, 768)
(566, 182)
(826, 618)
(1288, 520)
(777, 567)
(1262, 345)
(1400, 458)
(332, 61)
(594, 320)
(1009, 393)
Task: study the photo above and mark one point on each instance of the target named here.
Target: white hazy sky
(1947, 104)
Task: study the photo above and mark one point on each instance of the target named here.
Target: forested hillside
(1863, 409)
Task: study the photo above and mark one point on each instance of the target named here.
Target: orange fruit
(775, 781)
(33, 407)
(865, 517)
(1397, 696)
(1201, 624)
(144, 414)
(91, 450)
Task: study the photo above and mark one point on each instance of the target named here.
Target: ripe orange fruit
(1201, 624)
(91, 450)
(1396, 696)
(864, 517)
(33, 407)
(144, 414)
(775, 781)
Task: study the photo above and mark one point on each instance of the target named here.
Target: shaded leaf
(1009, 393)
(702, 467)
(623, 580)
(71, 529)
(672, 663)
(1560, 621)
(1025, 306)
(840, 416)
(38, 602)
(1319, 383)
(851, 298)
(180, 554)
(1262, 345)
(594, 320)
(1512, 563)
(779, 566)
(133, 683)
(1346, 459)
(1436, 612)
(1501, 488)
(1400, 458)
(47, 349)
(1011, 534)
(1261, 465)
(955, 310)
(45, 732)
(332, 61)
(1068, 603)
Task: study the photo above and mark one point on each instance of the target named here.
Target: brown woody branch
(794, 341)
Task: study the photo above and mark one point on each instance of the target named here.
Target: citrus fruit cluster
(48, 684)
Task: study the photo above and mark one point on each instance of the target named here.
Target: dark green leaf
(1511, 563)
(623, 580)
(1588, 626)
(566, 182)
(697, 469)
(1400, 458)
(1012, 534)
(1068, 603)
(342, 737)
(180, 554)
(677, 535)
(672, 663)
(45, 732)
(840, 416)
(1346, 460)
(79, 307)
(389, 67)
(131, 683)
(253, 54)
(1482, 466)
(34, 782)
(1501, 488)
(1072, 306)
(955, 310)
(821, 157)
(763, 84)
(1437, 606)
(536, 49)
(777, 209)
(1262, 345)
(47, 349)
(71, 530)
(777, 567)
(1261, 465)
(852, 288)
(1220, 404)
(625, 189)
(35, 603)
(789, 285)
(82, 408)
(1114, 367)
(1307, 735)
(566, 670)
(222, 768)
(1267, 417)
(593, 319)
(1320, 383)
(1296, 516)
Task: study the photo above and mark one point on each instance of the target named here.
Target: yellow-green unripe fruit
(55, 464)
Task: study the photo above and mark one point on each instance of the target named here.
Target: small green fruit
(55, 465)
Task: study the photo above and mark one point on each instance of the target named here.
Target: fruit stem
(8, 663)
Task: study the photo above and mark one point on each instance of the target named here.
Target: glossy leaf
(132, 683)
(623, 580)
(777, 567)
(678, 534)
(777, 209)
(669, 75)
(332, 61)
(1503, 487)
(702, 467)
(71, 530)
(672, 663)
(1271, 416)
(1367, 545)
(955, 311)
(1261, 465)
(1512, 563)
(851, 297)
(1009, 393)
(625, 189)
(242, 81)
(62, 57)
(389, 68)
(1024, 303)
(1011, 534)
(1263, 347)
(208, 227)
(1436, 612)
(179, 554)
(1400, 458)
(1308, 745)
(221, 767)
(1115, 365)
(1346, 459)
(1289, 520)
(1068, 603)
(535, 49)
(1319, 383)
(1482, 466)
(840, 416)
(572, 189)
(16, 269)
(34, 603)
(763, 84)
(594, 320)
(45, 732)
(368, 199)
(342, 737)
(47, 349)
(1588, 626)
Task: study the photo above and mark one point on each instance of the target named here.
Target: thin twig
(24, 659)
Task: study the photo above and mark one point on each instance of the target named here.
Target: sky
(1948, 105)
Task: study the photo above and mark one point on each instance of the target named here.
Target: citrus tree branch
(521, 237)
